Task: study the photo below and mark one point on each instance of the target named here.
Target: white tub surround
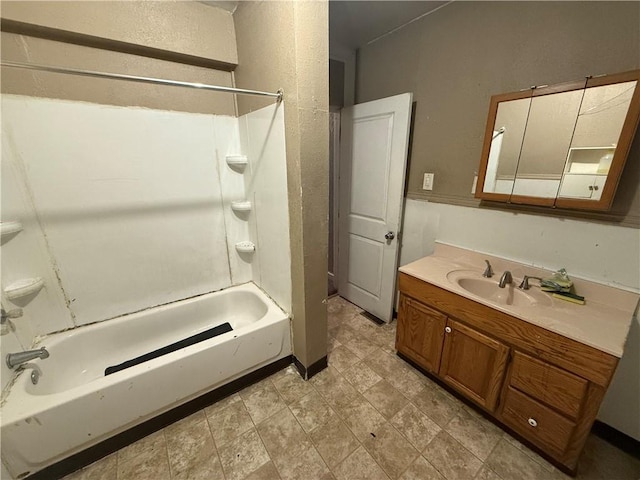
(262, 132)
(603, 322)
(74, 405)
(132, 207)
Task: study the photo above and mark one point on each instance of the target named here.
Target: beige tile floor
(368, 416)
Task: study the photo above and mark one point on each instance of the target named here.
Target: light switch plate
(427, 183)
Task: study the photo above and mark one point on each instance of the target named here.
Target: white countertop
(603, 322)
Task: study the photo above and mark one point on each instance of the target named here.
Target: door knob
(390, 235)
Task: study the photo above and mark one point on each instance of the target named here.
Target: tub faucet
(488, 272)
(525, 282)
(506, 278)
(15, 359)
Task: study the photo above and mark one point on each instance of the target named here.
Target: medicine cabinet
(560, 146)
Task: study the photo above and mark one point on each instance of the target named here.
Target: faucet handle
(524, 285)
(14, 313)
(488, 272)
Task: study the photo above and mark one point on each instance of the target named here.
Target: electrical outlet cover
(427, 183)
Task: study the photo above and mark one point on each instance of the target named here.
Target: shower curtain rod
(134, 78)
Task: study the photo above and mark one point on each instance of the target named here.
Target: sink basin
(488, 289)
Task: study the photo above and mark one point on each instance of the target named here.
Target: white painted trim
(335, 204)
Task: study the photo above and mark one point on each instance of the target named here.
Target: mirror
(506, 142)
(562, 145)
(547, 138)
(595, 138)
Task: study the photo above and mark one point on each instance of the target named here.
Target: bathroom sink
(488, 289)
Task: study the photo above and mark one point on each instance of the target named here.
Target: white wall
(129, 201)
(263, 134)
(603, 253)
(25, 255)
(238, 225)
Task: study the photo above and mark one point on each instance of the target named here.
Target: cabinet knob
(447, 329)
(533, 422)
(590, 187)
(595, 187)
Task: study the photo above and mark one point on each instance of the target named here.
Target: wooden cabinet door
(473, 363)
(420, 333)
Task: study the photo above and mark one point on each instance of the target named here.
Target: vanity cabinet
(467, 360)
(421, 333)
(473, 363)
(542, 402)
(543, 386)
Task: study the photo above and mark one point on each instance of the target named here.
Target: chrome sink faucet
(525, 282)
(16, 359)
(488, 272)
(506, 278)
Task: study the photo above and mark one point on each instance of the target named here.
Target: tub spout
(16, 359)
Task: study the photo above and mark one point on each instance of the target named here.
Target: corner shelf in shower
(9, 228)
(245, 247)
(23, 288)
(237, 162)
(241, 206)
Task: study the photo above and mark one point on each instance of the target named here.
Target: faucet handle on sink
(525, 282)
(488, 272)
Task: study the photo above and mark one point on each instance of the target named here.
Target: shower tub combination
(75, 405)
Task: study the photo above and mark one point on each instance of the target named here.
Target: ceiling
(229, 6)
(352, 24)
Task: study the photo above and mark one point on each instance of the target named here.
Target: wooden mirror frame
(623, 146)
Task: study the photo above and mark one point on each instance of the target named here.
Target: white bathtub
(74, 405)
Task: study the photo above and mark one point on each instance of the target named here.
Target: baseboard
(615, 437)
(314, 368)
(121, 440)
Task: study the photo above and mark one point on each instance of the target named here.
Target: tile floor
(368, 416)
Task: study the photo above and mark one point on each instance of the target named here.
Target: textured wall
(188, 28)
(456, 58)
(285, 45)
(158, 32)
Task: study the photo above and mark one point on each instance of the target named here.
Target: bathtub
(74, 405)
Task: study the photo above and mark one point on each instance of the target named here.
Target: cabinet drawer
(551, 385)
(538, 423)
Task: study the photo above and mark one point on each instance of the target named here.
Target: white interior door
(373, 159)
